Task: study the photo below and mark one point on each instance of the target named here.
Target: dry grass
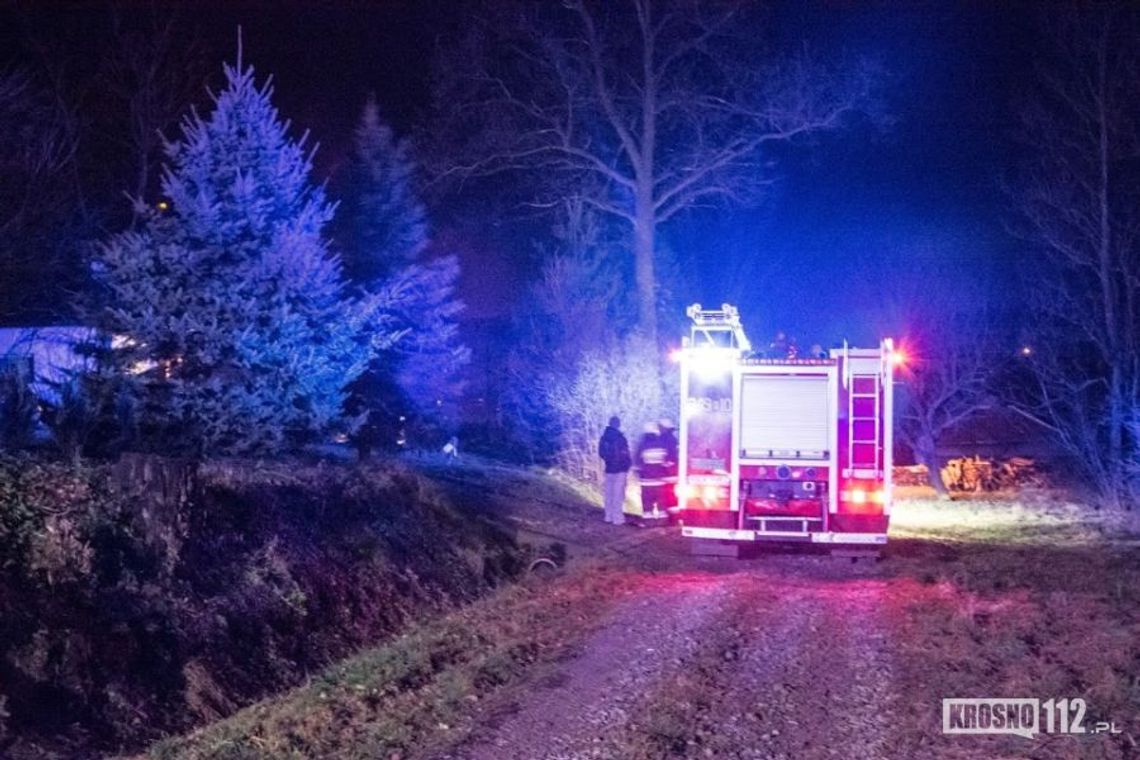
(1030, 596)
(1029, 517)
(543, 484)
(423, 689)
(1027, 595)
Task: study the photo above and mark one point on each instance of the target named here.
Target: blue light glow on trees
(388, 244)
(231, 297)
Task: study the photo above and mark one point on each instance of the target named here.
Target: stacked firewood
(912, 475)
(976, 475)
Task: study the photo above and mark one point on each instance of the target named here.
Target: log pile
(912, 475)
(977, 475)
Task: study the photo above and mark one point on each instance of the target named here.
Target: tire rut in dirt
(799, 670)
(578, 710)
(835, 697)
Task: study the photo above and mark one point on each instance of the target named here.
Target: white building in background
(49, 355)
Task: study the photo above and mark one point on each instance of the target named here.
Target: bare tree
(947, 381)
(32, 150)
(952, 348)
(655, 106)
(571, 310)
(586, 398)
(35, 155)
(64, 87)
(156, 71)
(1078, 201)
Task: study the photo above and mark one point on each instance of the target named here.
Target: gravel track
(814, 678)
(578, 711)
(796, 666)
(769, 665)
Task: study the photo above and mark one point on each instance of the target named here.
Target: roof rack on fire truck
(719, 328)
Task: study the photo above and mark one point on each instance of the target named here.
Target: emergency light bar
(709, 323)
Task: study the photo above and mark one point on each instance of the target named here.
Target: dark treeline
(571, 150)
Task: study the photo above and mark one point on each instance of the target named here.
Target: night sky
(850, 212)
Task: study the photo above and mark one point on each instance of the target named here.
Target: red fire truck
(774, 448)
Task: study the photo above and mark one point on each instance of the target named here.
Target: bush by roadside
(114, 631)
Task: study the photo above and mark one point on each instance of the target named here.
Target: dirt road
(638, 650)
(761, 661)
(793, 656)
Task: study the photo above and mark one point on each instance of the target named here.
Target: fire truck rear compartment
(782, 499)
(784, 415)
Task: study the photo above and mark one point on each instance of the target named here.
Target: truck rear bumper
(733, 534)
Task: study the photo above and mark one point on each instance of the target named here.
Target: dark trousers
(651, 495)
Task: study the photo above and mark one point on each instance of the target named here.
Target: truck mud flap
(705, 547)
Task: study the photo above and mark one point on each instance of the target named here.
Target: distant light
(1026, 350)
(898, 358)
(163, 206)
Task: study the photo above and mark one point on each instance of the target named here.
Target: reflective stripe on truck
(730, 534)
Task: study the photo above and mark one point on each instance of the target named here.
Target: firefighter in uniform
(669, 443)
(651, 472)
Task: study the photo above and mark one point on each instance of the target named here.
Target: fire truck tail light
(701, 496)
(711, 494)
(861, 497)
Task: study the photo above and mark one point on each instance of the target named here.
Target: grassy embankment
(1027, 596)
(121, 621)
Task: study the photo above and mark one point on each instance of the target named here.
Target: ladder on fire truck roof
(717, 327)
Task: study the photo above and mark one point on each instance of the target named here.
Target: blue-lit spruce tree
(231, 307)
(387, 242)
